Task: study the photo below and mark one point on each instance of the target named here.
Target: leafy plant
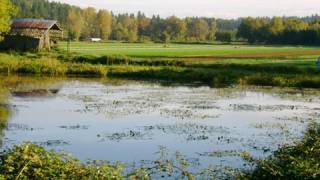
(301, 161)
(29, 161)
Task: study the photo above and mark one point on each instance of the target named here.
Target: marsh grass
(119, 60)
(216, 74)
(12, 64)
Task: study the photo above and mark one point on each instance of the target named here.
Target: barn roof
(34, 24)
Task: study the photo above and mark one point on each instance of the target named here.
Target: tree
(7, 10)
(143, 26)
(125, 28)
(157, 27)
(119, 32)
(294, 24)
(132, 25)
(293, 32)
(127, 24)
(197, 29)
(104, 21)
(246, 29)
(75, 24)
(254, 30)
(44, 9)
(223, 36)
(90, 28)
(175, 28)
(275, 28)
(212, 30)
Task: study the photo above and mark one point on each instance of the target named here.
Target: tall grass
(119, 60)
(47, 66)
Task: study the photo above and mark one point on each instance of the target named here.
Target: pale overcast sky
(210, 8)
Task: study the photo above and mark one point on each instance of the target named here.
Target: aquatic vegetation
(222, 153)
(74, 127)
(190, 131)
(20, 127)
(119, 136)
(252, 107)
(51, 143)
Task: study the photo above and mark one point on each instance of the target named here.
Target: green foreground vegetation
(300, 161)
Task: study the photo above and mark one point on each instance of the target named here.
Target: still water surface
(131, 121)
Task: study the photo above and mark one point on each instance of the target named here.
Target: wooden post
(68, 45)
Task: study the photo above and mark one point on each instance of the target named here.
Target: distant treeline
(280, 31)
(82, 24)
(86, 23)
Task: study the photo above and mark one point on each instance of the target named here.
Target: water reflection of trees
(16, 83)
(4, 113)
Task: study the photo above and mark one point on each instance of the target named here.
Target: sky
(209, 8)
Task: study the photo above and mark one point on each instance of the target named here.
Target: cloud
(214, 8)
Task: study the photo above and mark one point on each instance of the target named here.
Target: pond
(136, 121)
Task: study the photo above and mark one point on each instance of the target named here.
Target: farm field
(200, 55)
(188, 50)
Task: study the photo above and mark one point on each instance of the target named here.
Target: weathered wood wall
(20, 43)
(40, 40)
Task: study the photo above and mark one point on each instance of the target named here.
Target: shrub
(300, 161)
(106, 60)
(29, 161)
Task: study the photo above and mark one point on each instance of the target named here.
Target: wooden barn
(32, 34)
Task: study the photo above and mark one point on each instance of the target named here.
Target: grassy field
(188, 50)
(215, 65)
(199, 55)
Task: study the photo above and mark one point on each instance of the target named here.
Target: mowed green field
(189, 50)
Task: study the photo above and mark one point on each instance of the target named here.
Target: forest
(280, 31)
(82, 24)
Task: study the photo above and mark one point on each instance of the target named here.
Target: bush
(300, 161)
(29, 161)
(224, 36)
(106, 60)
